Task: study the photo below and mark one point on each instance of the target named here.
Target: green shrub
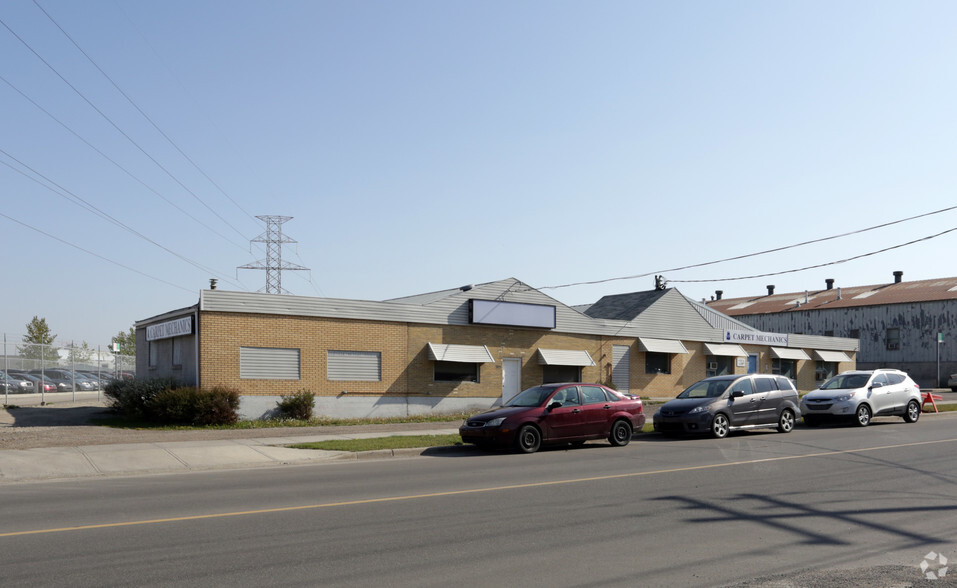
(134, 398)
(164, 401)
(297, 406)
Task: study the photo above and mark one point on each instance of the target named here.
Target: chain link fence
(60, 370)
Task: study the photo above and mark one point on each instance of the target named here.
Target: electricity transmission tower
(273, 264)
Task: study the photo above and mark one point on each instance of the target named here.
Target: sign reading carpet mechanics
(183, 326)
(756, 338)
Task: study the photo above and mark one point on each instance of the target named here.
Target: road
(659, 512)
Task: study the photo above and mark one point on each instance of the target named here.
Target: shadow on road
(52, 416)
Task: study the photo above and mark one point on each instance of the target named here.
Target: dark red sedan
(557, 413)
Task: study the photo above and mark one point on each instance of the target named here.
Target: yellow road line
(461, 492)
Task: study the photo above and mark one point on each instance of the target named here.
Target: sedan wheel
(720, 426)
(620, 434)
(786, 422)
(529, 439)
(913, 412)
(863, 415)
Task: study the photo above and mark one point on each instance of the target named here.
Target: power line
(115, 163)
(87, 251)
(791, 271)
(140, 110)
(118, 129)
(739, 257)
(75, 199)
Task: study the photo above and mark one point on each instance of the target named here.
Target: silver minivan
(719, 404)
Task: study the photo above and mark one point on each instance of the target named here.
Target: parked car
(65, 381)
(720, 404)
(557, 413)
(952, 382)
(14, 384)
(862, 395)
(39, 385)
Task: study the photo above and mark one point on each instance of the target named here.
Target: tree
(80, 354)
(38, 342)
(126, 341)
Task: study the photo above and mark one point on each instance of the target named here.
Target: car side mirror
(554, 405)
(737, 393)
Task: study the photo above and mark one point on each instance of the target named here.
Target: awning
(726, 349)
(460, 353)
(833, 356)
(661, 345)
(786, 353)
(564, 357)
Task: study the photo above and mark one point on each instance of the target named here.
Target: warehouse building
(467, 348)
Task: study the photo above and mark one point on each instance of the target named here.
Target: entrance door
(511, 378)
(753, 363)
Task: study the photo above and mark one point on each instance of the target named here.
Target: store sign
(755, 338)
(515, 314)
(177, 328)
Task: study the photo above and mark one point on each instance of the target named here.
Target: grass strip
(375, 443)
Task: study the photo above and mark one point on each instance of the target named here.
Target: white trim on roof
(565, 357)
(647, 344)
(833, 356)
(460, 353)
(785, 353)
(725, 349)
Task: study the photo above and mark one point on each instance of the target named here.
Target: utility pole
(273, 264)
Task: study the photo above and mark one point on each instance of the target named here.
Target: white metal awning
(786, 353)
(661, 345)
(460, 353)
(564, 357)
(833, 356)
(725, 349)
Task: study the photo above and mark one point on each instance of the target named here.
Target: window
(657, 363)
(593, 395)
(784, 384)
(783, 367)
(743, 386)
(154, 353)
(177, 351)
(265, 363)
(764, 384)
(854, 334)
(895, 379)
(719, 365)
(828, 333)
(893, 338)
(552, 374)
(456, 371)
(354, 366)
(825, 370)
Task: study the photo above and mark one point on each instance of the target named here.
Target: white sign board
(756, 338)
(177, 328)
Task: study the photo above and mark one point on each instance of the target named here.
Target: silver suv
(862, 395)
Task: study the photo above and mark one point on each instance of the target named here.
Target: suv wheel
(863, 415)
(913, 412)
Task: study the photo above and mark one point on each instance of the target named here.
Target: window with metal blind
(266, 363)
(354, 366)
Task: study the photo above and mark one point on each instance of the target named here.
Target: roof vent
(898, 276)
(212, 283)
(466, 287)
(830, 283)
(718, 294)
(770, 289)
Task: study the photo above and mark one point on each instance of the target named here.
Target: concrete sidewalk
(50, 463)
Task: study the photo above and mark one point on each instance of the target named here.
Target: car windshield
(532, 397)
(846, 382)
(706, 389)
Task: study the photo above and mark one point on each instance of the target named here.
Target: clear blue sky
(425, 145)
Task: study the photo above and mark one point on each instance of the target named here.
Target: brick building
(460, 349)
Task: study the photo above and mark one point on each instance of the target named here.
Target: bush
(162, 400)
(134, 398)
(297, 406)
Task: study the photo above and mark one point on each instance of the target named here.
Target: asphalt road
(759, 508)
